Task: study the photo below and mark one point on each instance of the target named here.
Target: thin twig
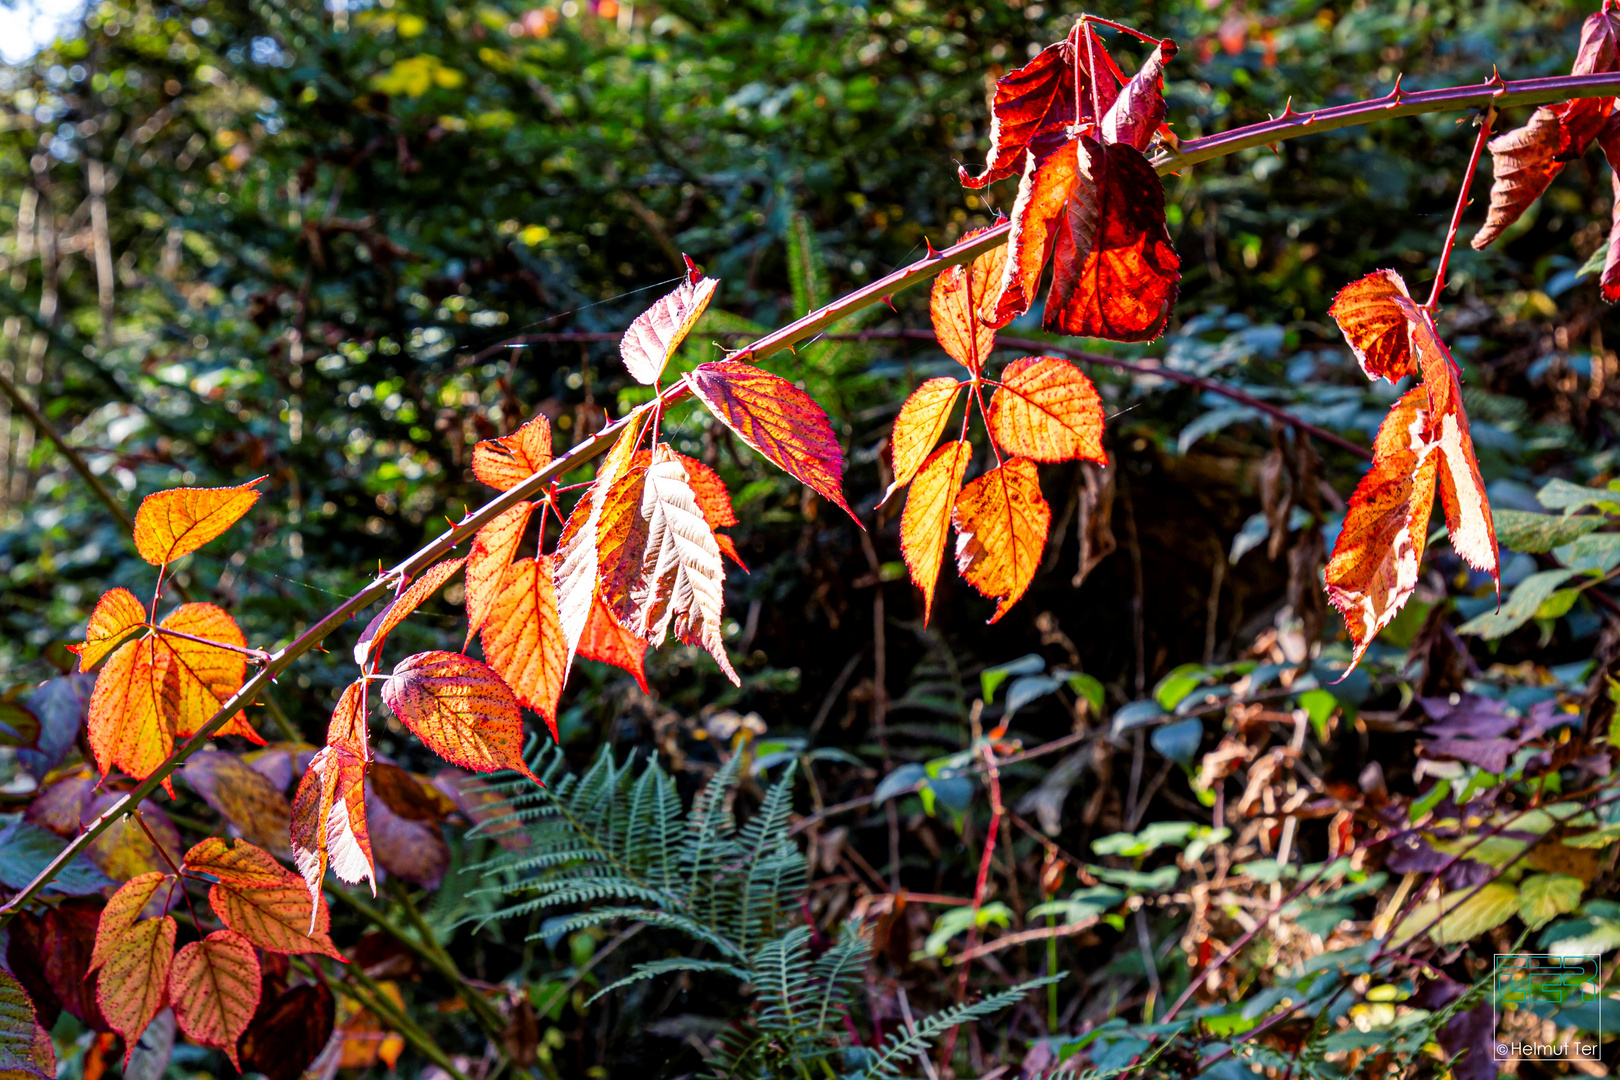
(74, 458)
(1024, 937)
(1485, 123)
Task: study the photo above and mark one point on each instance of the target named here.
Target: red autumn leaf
(917, 429)
(1379, 552)
(506, 462)
(605, 640)
(657, 332)
(214, 985)
(117, 614)
(348, 724)
(1001, 522)
(1035, 104)
(660, 565)
(493, 550)
(523, 641)
(1523, 163)
(460, 709)
(576, 563)
(954, 304)
(202, 677)
(1609, 139)
(1140, 110)
(1047, 410)
(1582, 118)
(710, 491)
(1375, 325)
(173, 523)
(329, 826)
(266, 904)
(383, 623)
(776, 418)
(925, 522)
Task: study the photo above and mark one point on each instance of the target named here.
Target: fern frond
(664, 967)
(664, 920)
(901, 1047)
(782, 975)
(838, 971)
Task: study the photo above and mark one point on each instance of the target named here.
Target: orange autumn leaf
(523, 641)
(1377, 557)
(657, 332)
(173, 523)
(493, 550)
(329, 826)
(214, 987)
(460, 709)
(576, 562)
(116, 615)
(925, 522)
(135, 965)
(605, 640)
(506, 462)
(710, 491)
(126, 723)
(1034, 105)
(201, 677)
(660, 564)
(954, 306)
(123, 911)
(1047, 410)
(399, 609)
(254, 895)
(777, 419)
(348, 723)
(1140, 110)
(1374, 325)
(1001, 521)
(917, 429)
(1524, 162)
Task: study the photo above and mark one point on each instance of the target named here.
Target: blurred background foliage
(272, 238)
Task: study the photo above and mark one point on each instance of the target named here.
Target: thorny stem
(258, 656)
(1496, 91)
(1485, 123)
(179, 877)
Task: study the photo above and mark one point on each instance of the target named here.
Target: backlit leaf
(243, 796)
(133, 985)
(917, 429)
(1582, 118)
(657, 332)
(522, 639)
(1524, 162)
(199, 678)
(259, 899)
(1034, 105)
(214, 987)
(776, 418)
(1460, 916)
(710, 491)
(605, 640)
(959, 292)
(460, 709)
(126, 725)
(660, 565)
(925, 522)
(116, 615)
(1375, 326)
(1376, 559)
(1001, 521)
(576, 563)
(173, 523)
(329, 819)
(1047, 410)
(123, 911)
(493, 550)
(383, 623)
(506, 462)
(348, 724)
(1609, 139)
(1139, 110)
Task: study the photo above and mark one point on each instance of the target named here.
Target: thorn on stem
(1395, 93)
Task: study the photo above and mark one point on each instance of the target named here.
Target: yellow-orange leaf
(329, 819)
(134, 982)
(1375, 325)
(461, 709)
(922, 418)
(506, 462)
(1047, 410)
(173, 523)
(214, 985)
(954, 307)
(1001, 521)
(262, 901)
(776, 418)
(493, 550)
(576, 563)
(116, 614)
(605, 640)
(657, 332)
(126, 724)
(925, 522)
(522, 640)
(124, 911)
(348, 723)
(1377, 557)
(400, 608)
(710, 491)
(201, 677)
